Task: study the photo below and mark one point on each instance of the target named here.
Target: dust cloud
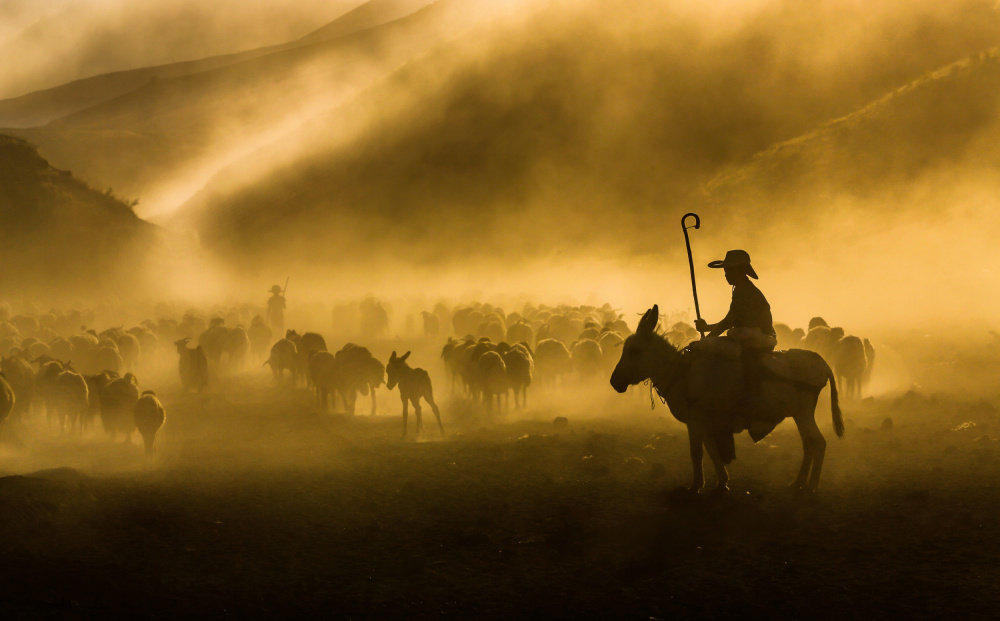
(496, 189)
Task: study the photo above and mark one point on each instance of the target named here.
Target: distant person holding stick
(276, 310)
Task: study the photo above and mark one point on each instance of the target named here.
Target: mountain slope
(947, 120)
(41, 107)
(595, 142)
(59, 236)
(174, 127)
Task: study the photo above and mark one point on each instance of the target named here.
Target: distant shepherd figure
(276, 310)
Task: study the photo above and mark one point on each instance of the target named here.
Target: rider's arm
(716, 329)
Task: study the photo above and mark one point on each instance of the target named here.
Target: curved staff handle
(687, 241)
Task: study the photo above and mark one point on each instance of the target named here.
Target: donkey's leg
(405, 412)
(720, 467)
(807, 457)
(372, 389)
(818, 444)
(418, 414)
(437, 412)
(696, 441)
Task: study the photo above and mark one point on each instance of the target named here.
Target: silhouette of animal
(432, 324)
(70, 398)
(587, 358)
(324, 373)
(359, 372)
(848, 360)
(148, 417)
(192, 365)
(117, 406)
(305, 345)
(374, 318)
(7, 400)
(552, 360)
(284, 357)
(21, 378)
(491, 372)
(260, 337)
(520, 371)
(96, 384)
(698, 393)
(414, 385)
(866, 378)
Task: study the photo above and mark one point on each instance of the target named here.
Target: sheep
(192, 366)
(284, 356)
(847, 357)
(108, 359)
(213, 339)
(70, 398)
(520, 331)
(236, 345)
(374, 319)
(38, 349)
(22, 380)
(7, 400)
(587, 358)
(817, 322)
(552, 360)
(820, 340)
(359, 371)
(149, 344)
(129, 350)
(260, 337)
(466, 320)
(491, 376)
(786, 336)
(866, 377)
(432, 324)
(451, 354)
(117, 403)
(95, 387)
(306, 344)
(45, 387)
(148, 417)
(325, 375)
(414, 384)
(61, 349)
(611, 344)
(520, 369)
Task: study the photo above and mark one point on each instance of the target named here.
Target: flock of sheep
(76, 376)
(503, 352)
(52, 364)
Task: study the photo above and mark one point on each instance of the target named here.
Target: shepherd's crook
(687, 240)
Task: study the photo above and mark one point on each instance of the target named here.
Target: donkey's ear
(393, 356)
(649, 320)
(404, 357)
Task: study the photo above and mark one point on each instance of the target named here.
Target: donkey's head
(642, 353)
(395, 368)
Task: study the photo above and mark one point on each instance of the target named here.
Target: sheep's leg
(372, 390)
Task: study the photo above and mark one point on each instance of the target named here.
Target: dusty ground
(258, 506)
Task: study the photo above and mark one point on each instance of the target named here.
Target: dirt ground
(256, 505)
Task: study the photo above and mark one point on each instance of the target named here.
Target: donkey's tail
(838, 417)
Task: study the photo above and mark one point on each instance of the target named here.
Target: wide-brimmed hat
(276, 289)
(736, 258)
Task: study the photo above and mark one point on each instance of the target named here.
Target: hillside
(41, 107)
(59, 235)
(589, 148)
(946, 120)
(172, 128)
